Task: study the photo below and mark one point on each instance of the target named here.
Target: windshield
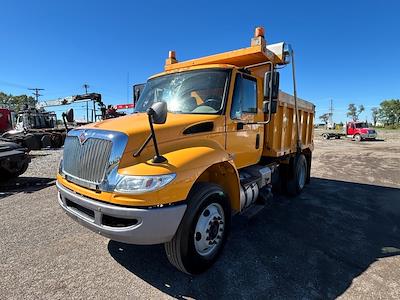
(361, 125)
(192, 92)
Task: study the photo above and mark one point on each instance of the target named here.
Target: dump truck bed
(280, 134)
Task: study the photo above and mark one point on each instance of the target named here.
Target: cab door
(350, 128)
(244, 138)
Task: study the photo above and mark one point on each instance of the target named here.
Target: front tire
(202, 233)
(357, 138)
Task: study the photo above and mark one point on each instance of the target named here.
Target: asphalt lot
(339, 238)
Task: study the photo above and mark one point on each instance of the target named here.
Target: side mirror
(158, 112)
(70, 115)
(274, 106)
(271, 82)
(137, 91)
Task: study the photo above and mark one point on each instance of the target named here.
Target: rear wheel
(46, 141)
(31, 142)
(57, 140)
(203, 231)
(325, 136)
(297, 176)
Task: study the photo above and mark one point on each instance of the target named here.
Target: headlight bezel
(144, 183)
(60, 168)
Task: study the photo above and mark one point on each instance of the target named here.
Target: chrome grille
(87, 162)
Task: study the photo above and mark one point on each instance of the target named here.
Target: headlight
(143, 184)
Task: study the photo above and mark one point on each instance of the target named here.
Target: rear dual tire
(203, 231)
(297, 175)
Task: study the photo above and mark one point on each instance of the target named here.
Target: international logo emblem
(82, 137)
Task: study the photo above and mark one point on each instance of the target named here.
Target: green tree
(389, 112)
(375, 114)
(324, 118)
(16, 102)
(354, 112)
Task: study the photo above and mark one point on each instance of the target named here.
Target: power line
(15, 85)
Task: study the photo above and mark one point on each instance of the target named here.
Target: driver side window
(244, 96)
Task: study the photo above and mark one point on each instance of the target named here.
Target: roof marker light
(259, 31)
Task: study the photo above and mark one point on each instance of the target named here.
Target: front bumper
(369, 135)
(124, 224)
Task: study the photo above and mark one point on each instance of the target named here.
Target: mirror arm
(137, 153)
(158, 158)
(270, 92)
(64, 116)
(157, 113)
(152, 136)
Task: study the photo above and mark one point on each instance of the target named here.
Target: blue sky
(345, 50)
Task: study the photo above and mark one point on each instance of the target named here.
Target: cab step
(252, 211)
(264, 199)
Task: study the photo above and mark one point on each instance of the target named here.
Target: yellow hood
(136, 127)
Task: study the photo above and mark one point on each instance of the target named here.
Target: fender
(188, 164)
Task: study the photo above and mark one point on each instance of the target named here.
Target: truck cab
(208, 139)
(35, 119)
(6, 119)
(360, 131)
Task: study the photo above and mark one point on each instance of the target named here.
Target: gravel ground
(339, 238)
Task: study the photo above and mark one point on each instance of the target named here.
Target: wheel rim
(302, 175)
(209, 230)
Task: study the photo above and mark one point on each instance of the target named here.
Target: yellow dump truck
(208, 139)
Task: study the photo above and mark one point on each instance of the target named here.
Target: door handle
(239, 125)
(257, 141)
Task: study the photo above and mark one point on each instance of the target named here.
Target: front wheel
(357, 138)
(203, 231)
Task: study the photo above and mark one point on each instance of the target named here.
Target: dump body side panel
(280, 134)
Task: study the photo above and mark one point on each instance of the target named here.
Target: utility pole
(36, 93)
(86, 86)
(330, 120)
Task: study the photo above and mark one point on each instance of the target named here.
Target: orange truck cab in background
(208, 139)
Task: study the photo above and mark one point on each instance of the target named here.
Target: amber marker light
(172, 54)
(259, 32)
